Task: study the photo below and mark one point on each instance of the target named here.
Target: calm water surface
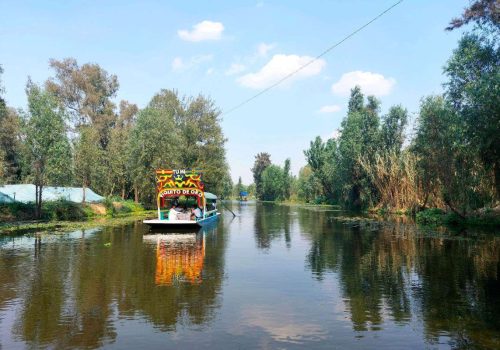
(274, 277)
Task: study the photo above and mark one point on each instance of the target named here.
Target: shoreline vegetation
(61, 216)
(443, 169)
(430, 217)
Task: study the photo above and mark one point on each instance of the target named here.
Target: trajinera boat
(182, 201)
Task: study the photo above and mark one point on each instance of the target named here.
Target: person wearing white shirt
(172, 213)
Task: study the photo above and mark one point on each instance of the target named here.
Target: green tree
(323, 161)
(88, 159)
(308, 186)
(474, 91)
(287, 180)
(154, 143)
(273, 183)
(393, 126)
(448, 165)
(86, 92)
(203, 143)
(117, 152)
(359, 137)
(48, 148)
(262, 161)
(10, 141)
(357, 100)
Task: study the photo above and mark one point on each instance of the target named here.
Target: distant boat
(183, 189)
(243, 196)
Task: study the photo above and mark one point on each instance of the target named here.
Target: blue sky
(231, 50)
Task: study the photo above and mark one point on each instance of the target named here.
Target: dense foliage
(74, 134)
(453, 159)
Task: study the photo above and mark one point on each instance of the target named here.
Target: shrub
(431, 217)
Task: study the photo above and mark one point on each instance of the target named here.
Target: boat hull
(155, 223)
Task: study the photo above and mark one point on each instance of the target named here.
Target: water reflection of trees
(272, 222)
(72, 294)
(391, 272)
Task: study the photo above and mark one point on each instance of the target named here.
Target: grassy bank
(64, 226)
(64, 215)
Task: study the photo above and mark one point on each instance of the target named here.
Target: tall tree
(359, 137)
(356, 101)
(287, 179)
(239, 187)
(262, 161)
(448, 165)
(118, 177)
(10, 141)
(393, 126)
(88, 159)
(202, 142)
(322, 159)
(154, 143)
(474, 90)
(273, 183)
(48, 148)
(86, 91)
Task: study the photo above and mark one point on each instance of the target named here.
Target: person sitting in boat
(172, 213)
(196, 212)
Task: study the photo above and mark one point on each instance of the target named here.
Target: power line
(312, 61)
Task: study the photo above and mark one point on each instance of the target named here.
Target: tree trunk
(84, 185)
(497, 178)
(136, 194)
(38, 201)
(123, 192)
(453, 209)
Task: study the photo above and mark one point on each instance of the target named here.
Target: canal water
(274, 277)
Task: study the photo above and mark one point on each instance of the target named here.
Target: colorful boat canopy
(175, 183)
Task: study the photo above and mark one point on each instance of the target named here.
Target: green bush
(17, 211)
(433, 217)
(62, 210)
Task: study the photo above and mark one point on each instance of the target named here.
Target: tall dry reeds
(394, 175)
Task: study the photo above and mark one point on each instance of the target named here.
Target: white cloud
(263, 49)
(279, 67)
(178, 64)
(329, 109)
(370, 83)
(235, 68)
(210, 71)
(206, 30)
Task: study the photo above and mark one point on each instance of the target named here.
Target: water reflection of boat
(179, 257)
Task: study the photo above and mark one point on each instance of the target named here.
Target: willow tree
(153, 144)
(47, 146)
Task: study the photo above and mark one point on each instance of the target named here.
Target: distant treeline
(451, 159)
(73, 134)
